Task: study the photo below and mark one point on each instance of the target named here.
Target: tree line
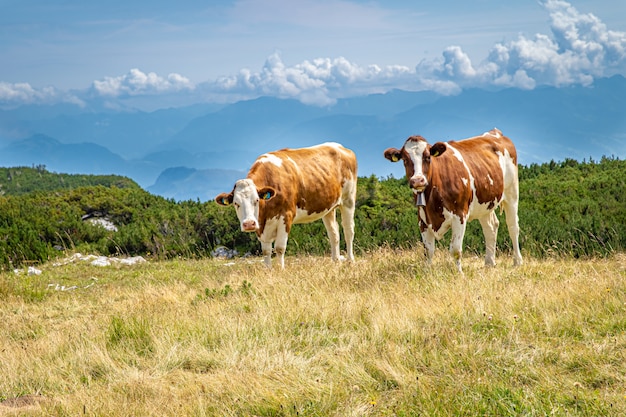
(567, 208)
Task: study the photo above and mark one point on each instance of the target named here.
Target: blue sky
(313, 50)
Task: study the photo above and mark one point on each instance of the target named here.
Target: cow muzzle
(249, 226)
(418, 183)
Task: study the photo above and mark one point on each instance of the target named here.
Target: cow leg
(428, 238)
(280, 255)
(266, 249)
(281, 244)
(332, 228)
(512, 223)
(347, 223)
(490, 225)
(456, 242)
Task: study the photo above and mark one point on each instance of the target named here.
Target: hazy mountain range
(197, 151)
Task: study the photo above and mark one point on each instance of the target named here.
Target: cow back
(485, 157)
(307, 179)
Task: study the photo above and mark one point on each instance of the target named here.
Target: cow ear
(393, 154)
(266, 193)
(224, 199)
(437, 149)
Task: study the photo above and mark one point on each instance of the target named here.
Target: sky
(316, 51)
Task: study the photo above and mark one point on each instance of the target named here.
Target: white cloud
(585, 34)
(136, 82)
(23, 92)
(319, 81)
(579, 49)
(16, 94)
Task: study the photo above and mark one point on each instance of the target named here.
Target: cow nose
(248, 225)
(418, 183)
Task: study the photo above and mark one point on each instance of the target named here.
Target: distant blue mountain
(183, 152)
(74, 158)
(84, 157)
(129, 133)
(252, 125)
(181, 183)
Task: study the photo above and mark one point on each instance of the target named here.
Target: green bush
(567, 208)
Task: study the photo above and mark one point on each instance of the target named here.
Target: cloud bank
(15, 94)
(579, 49)
(137, 82)
(319, 81)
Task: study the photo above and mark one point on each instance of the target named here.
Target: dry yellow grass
(384, 336)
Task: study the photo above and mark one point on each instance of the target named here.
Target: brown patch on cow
(481, 154)
(455, 174)
(310, 179)
(448, 177)
(449, 189)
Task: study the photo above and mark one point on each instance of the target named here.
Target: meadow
(386, 335)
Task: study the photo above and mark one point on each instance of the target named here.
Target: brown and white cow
(458, 181)
(293, 186)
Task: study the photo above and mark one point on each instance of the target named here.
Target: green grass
(385, 336)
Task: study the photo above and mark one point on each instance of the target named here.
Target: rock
(224, 252)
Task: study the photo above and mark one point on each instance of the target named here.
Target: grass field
(385, 336)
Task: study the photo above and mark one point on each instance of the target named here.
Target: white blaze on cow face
(417, 151)
(246, 202)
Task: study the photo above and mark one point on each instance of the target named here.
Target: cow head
(246, 198)
(416, 155)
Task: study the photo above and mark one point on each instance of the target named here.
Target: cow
(458, 181)
(292, 186)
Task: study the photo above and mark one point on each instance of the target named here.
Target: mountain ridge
(217, 141)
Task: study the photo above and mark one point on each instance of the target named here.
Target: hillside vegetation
(384, 336)
(23, 180)
(567, 208)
